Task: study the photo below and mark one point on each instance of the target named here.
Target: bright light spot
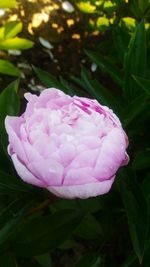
(95, 33)
(54, 25)
(93, 67)
(2, 12)
(60, 29)
(37, 20)
(70, 22)
(22, 13)
(55, 6)
(30, 28)
(13, 17)
(33, 1)
(75, 36)
(67, 6)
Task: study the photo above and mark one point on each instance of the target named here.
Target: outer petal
(82, 191)
(111, 156)
(25, 174)
(47, 170)
(12, 128)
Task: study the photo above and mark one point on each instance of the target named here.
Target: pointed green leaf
(48, 80)
(99, 92)
(106, 66)
(8, 68)
(135, 61)
(134, 108)
(89, 260)
(9, 102)
(143, 5)
(136, 211)
(44, 260)
(15, 43)
(143, 83)
(12, 28)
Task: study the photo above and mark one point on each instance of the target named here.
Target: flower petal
(82, 191)
(25, 174)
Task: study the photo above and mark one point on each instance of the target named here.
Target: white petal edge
(25, 174)
(82, 191)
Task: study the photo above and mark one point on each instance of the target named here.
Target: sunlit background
(59, 31)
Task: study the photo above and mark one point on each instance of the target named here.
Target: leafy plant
(10, 41)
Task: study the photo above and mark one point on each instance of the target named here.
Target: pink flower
(73, 146)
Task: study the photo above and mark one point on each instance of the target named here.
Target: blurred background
(56, 33)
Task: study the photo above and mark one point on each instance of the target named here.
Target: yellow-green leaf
(15, 43)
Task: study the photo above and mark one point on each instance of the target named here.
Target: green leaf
(8, 68)
(48, 80)
(136, 211)
(142, 160)
(143, 5)
(8, 3)
(98, 91)
(12, 28)
(89, 228)
(136, 107)
(90, 204)
(135, 61)
(130, 261)
(121, 39)
(106, 66)
(102, 23)
(15, 43)
(10, 185)
(44, 260)
(8, 260)
(9, 102)
(143, 83)
(89, 260)
(39, 235)
(11, 218)
(86, 7)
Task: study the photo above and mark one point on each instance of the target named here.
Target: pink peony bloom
(73, 146)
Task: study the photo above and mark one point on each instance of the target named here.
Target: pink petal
(82, 191)
(111, 155)
(67, 153)
(49, 171)
(87, 158)
(12, 127)
(79, 176)
(25, 174)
